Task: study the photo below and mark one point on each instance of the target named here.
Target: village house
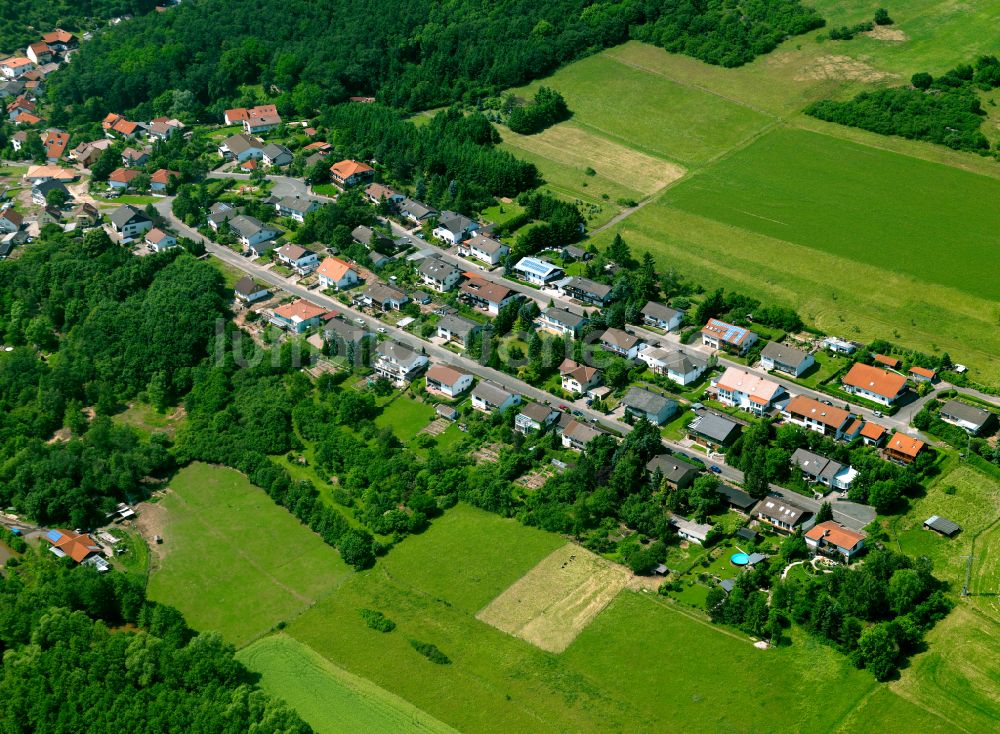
(349, 173)
(727, 337)
(239, 115)
(439, 275)
(485, 295)
(41, 190)
(163, 128)
(253, 234)
(578, 378)
(86, 215)
(561, 322)
(274, 155)
(129, 222)
(488, 397)
(872, 434)
(10, 220)
(157, 240)
(55, 143)
(262, 124)
(903, 449)
(537, 271)
(39, 52)
(343, 335)
(922, 374)
(875, 384)
(384, 297)
(122, 178)
(677, 473)
(782, 358)
(372, 239)
(815, 416)
(737, 500)
(336, 274)
(832, 538)
(80, 547)
(689, 530)
(376, 192)
(37, 174)
(248, 290)
(86, 154)
(969, 418)
(779, 513)
(660, 316)
(641, 403)
(890, 362)
(741, 389)
(60, 40)
(713, 431)
(486, 249)
(675, 365)
(448, 381)
(621, 343)
(588, 291)
(454, 228)
(160, 180)
(20, 105)
(134, 158)
(116, 126)
(457, 329)
(534, 417)
(416, 211)
(26, 118)
(295, 207)
(397, 362)
(821, 470)
(298, 258)
(242, 147)
(577, 435)
(298, 316)
(50, 215)
(15, 67)
(219, 213)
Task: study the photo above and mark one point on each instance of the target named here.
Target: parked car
(382, 330)
(877, 413)
(715, 469)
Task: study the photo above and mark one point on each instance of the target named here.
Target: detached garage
(940, 525)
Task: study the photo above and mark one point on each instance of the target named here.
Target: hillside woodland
(23, 21)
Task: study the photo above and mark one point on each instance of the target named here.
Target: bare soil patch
(556, 600)
(887, 33)
(840, 67)
(150, 521)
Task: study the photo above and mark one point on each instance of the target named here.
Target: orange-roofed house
(890, 362)
(80, 547)
(10, 221)
(39, 53)
(159, 181)
(122, 178)
(116, 125)
(59, 39)
(873, 434)
(157, 240)
(19, 105)
(903, 448)
(239, 115)
(335, 273)
(26, 118)
(874, 384)
(922, 374)
(298, 316)
(55, 142)
(832, 538)
(15, 67)
(814, 415)
(351, 173)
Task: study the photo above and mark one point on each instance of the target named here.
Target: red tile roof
(875, 380)
(909, 446)
(163, 176)
(345, 169)
(835, 534)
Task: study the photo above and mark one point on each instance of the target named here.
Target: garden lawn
(405, 416)
(232, 560)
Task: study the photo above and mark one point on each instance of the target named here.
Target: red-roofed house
(10, 221)
(335, 273)
(158, 181)
(15, 67)
(39, 52)
(875, 384)
(833, 538)
(26, 118)
(298, 316)
(872, 433)
(55, 142)
(59, 39)
(121, 178)
(350, 173)
(19, 105)
(81, 548)
(903, 448)
(922, 374)
(157, 240)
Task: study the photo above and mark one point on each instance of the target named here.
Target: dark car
(714, 469)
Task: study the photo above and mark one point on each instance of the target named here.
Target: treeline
(945, 110)
(24, 21)
(85, 651)
(546, 109)
(421, 55)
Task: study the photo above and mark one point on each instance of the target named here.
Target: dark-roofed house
(739, 501)
(621, 343)
(967, 417)
(488, 397)
(253, 234)
(578, 378)
(577, 435)
(675, 365)
(276, 155)
(295, 207)
(416, 211)
(821, 470)
(780, 513)
(220, 213)
(678, 474)
(588, 291)
(242, 147)
(641, 403)
(454, 227)
(941, 525)
(130, 222)
(376, 192)
(695, 532)
(248, 290)
(660, 316)
(439, 275)
(486, 295)
(371, 239)
(384, 297)
(562, 322)
(457, 329)
(343, 333)
(41, 190)
(534, 417)
(792, 361)
(746, 533)
(483, 248)
(713, 431)
(397, 362)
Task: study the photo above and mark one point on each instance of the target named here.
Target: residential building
(37, 174)
(86, 154)
(116, 126)
(295, 207)
(904, 449)
(939, 524)
(741, 389)
(534, 417)
(561, 322)
(372, 239)
(872, 434)
(40, 191)
(298, 316)
(130, 222)
(816, 416)
(447, 380)
(39, 52)
(377, 260)
(275, 155)
(780, 513)
(416, 211)
(536, 271)
(588, 291)
(573, 252)
(713, 431)
(578, 378)
(457, 329)
(157, 240)
(821, 470)
(376, 192)
(922, 374)
(10, 220)
(384, 297)
(791, 361)
(967, 417)
(55, 142)
(694, 532)
(489, 397)
(678, 474)
(337, 274)
(397, 362)
(253, 233)
(890, 362)
(660, 316)
(122, 178)
(344, 334)
(134, 158)
(220, 213)
(298, 258)
(159, 181)
(249, 291)
(60, 40)
(262, 124)
(740, 501)
(50, 215)
(675, 365)
(454, 228)
(15, 67)
(486, 295)
(621, 343)
(727, 337)
(239, 115)
(348, 173)
(577, 435)
(439, 275)
(487, 249)
(242, 147)
(832, 538)
(641, 403)
(874, 384)
(163, 128)
(86, 215)
(81, 547)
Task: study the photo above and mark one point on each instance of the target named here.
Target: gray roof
(241, 142)
(737, 498)
(247, 226)
(295, 203)
(537, 412)
(566, 318)
(344, 331)
(491, 392)
(273, 150)
(673, 469)
(380, 293)
(778, 508)
(619, 338)
(398, 352)
(683, 363)
(965, 412)
(945, 527)
(44, 187)
(714, 426)
(486, 244)
(659, 311)
(367, 235)
(581, 432)
(727, 585)
(416, 208)
(454, 222)
(246, 286)
(589, 286)
(125, 214)
(747, 533)
(437, 269)
(784, 354)
(816, 465)
(645, 401)
(756, 558)
(458, 325)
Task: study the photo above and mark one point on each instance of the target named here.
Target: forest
(24, 21)
(945, 110)
(308, 54)
(84, 651)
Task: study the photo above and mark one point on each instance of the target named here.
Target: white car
(382, 330)
(360, 321)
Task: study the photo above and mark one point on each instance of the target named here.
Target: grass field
(405, 416)
(231, 559)
(330, 699)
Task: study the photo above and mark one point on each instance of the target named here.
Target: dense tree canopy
(24, 21)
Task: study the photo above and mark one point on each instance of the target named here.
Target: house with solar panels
(536, 271)
(727, 337)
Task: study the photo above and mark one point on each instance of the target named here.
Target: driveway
(281, 186)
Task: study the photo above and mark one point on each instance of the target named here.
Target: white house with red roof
(335, 273)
